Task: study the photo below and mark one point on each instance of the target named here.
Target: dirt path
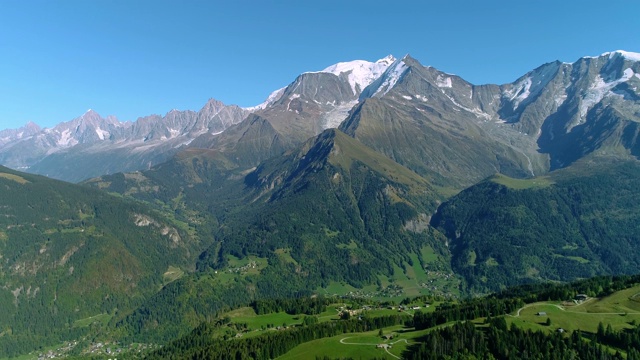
(342, 341)
(573, 312)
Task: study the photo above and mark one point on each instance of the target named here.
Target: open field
(172, 274)
(521, 184)
(617, 310)
(248, 316)
(357, 345)
(101, 318)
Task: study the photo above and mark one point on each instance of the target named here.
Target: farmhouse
(581, 297)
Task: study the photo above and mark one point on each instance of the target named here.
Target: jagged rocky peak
(530, 85)
(386, 81)
(212, 106)
(31, 127)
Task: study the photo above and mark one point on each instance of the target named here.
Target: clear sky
(132, 58)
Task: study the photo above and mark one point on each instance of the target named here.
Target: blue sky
(134, 58)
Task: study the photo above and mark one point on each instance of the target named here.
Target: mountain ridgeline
(385, 179)
(437, 124)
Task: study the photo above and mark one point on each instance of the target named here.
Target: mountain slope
(576, 223)
(313, 102)
(458, 133)
(413, 116)
(331, 210)
(68, 252)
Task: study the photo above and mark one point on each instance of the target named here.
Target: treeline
(468, 310)
(464, 340)
(199, 344)
(599, 286)
(306, 305)
(627, 339)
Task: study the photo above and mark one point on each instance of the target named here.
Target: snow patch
(102, 134)
(391, 77)
(273, 97)
(421, 98)
(599, 89)
(476, 111)
(532, 84)
(407, 97)
(291, 98)
(560, 100)
(443, 81)
(519, 92)
(66, 139)
(335, 116)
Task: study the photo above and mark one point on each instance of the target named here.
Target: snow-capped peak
(273, 97)
(360, 73)
(391, 76)
(388, 60)
(632, 56)
(625, 54)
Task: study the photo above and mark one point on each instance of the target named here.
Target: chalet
(581, 297)
(541, 313)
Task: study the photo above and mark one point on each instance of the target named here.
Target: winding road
(573, 312)
(342, 341)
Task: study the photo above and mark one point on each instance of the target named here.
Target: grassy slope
(520, 184)
(356, 345)
(618, 310)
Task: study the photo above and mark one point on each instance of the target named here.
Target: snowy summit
(361, 73)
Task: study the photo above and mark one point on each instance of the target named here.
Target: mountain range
(407, 111)
(388, 177)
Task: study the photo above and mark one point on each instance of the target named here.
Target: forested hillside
(573, 224)
(491, 327)
(68, 252)
(332, 211)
